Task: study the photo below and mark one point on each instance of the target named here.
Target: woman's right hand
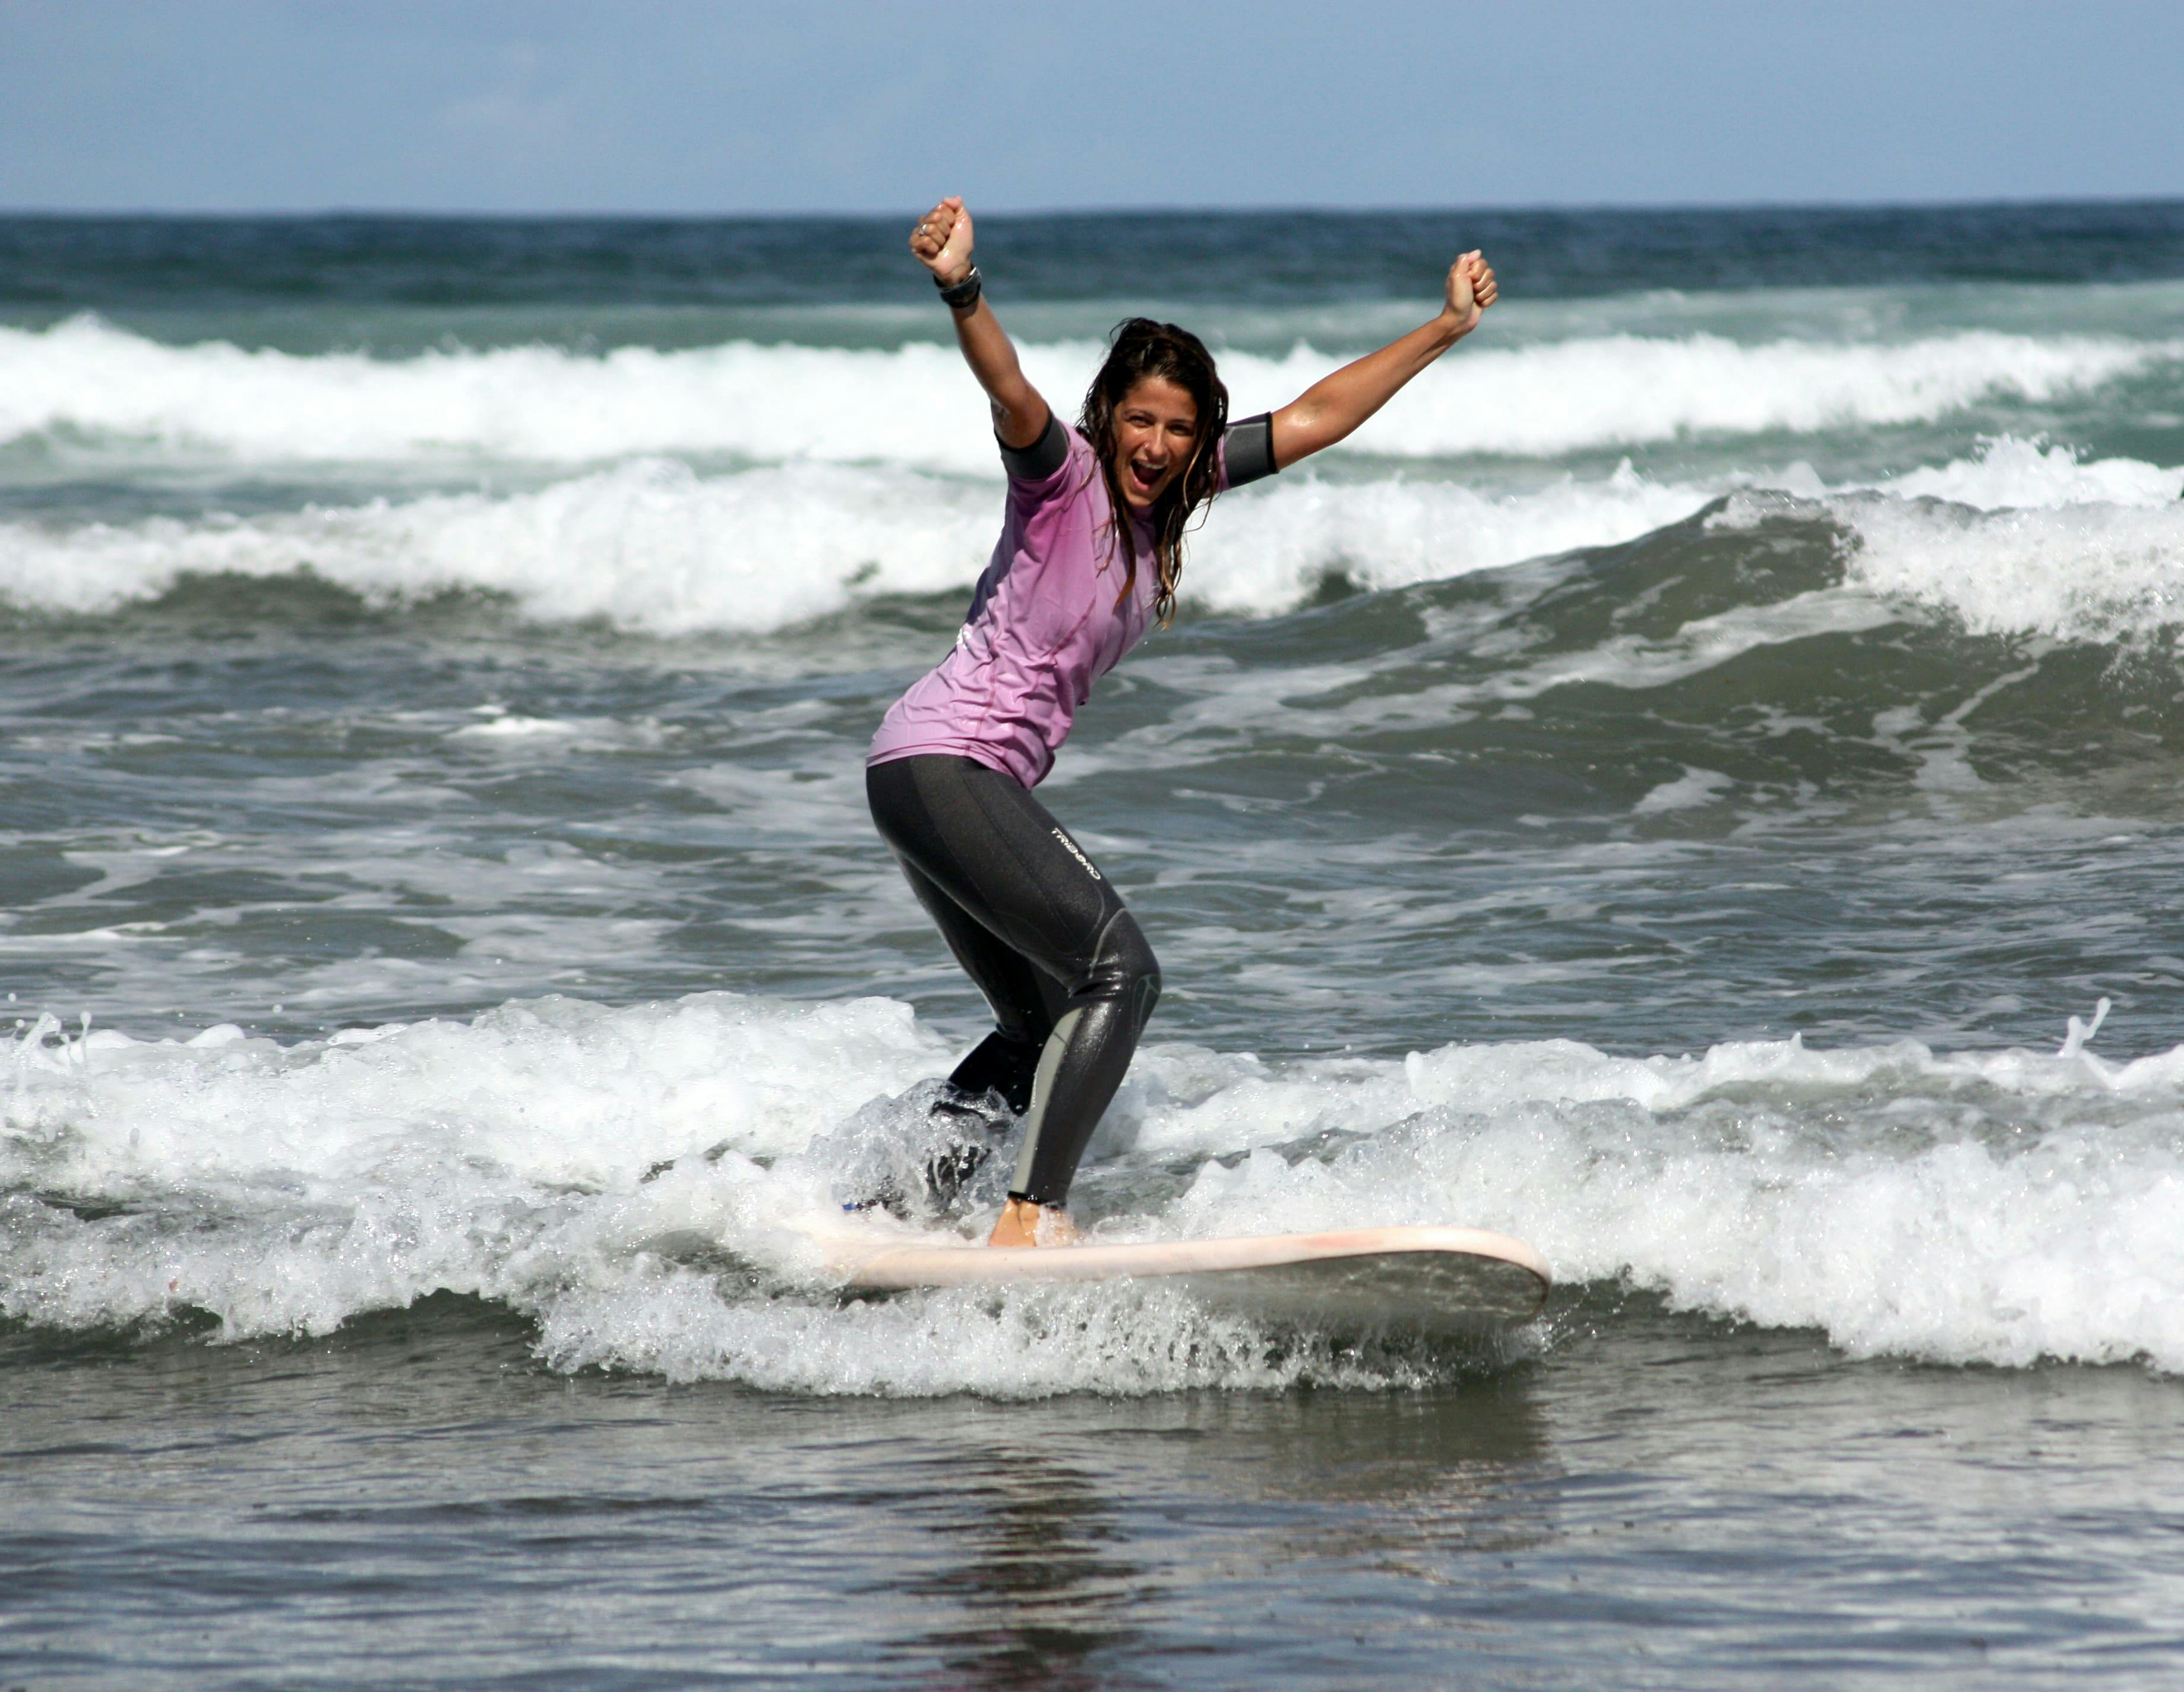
(942, 241)
(942, 244)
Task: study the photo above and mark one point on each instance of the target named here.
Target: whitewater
(752, 489)
(519, 1158)
(97, 387)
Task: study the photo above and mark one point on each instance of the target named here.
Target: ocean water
(1694, 784)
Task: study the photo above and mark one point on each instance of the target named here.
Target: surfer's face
(1156, 427)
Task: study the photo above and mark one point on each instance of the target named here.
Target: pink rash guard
(1044, 623)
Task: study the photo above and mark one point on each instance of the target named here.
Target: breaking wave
(652, 546)
(93, 387)
(1996, 1207)
(2019, 538)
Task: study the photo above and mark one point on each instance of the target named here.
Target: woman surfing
(1089, 557)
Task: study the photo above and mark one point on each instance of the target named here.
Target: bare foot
(1026, 1224)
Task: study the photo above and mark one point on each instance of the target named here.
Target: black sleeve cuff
(1248, 449)
(1042, 458)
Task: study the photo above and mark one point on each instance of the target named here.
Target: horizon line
(368, 212)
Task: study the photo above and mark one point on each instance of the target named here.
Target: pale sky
(681, 106)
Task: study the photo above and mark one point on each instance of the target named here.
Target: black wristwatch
(959, 294)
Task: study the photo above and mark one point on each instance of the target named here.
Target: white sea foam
(912, 406)
(1625, 390)
(2008, 473)
(1996, 1207)
(86, 380)
(1693, 788)
(647, 545)
(651, 546)
(1265, 552)
(2092, 572)
(2017, 539)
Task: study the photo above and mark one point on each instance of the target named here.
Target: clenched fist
(942, 241)
(1471, 290)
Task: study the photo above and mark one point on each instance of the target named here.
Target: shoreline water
(413, 1503)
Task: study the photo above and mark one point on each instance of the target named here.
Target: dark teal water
(1693, 785)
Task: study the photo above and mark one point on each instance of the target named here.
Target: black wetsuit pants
(1045, 935)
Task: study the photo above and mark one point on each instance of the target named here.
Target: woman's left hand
(1471, 290)
(1327, 410)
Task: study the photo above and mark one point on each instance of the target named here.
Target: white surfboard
(1429, 1279)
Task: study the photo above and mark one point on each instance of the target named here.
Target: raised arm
(1332, 407)
(942, 244)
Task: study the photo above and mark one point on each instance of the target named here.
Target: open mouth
(1144, 479)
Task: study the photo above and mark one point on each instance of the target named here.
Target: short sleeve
(1042, 458)
(1247, 451)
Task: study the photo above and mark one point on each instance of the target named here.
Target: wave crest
(913, 406)
(2018, 539)
(1997, 1207)
(652, 547)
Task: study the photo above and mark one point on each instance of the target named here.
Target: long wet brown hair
(1141, 348)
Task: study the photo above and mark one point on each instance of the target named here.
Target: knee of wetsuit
(1140, 972)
